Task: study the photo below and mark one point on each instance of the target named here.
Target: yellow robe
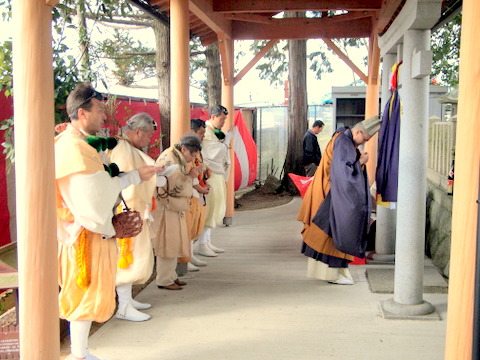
(312, 235)
(173, 239)
(86, 196)
(138, 198)
(197, 213)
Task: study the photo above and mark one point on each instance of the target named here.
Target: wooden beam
(301, 28)
(386, 14)
(462, 284)
(226, 47)
(217, 22)
(226, 56)
(352, 15)
(250, 18)
(372, 103)
(206, 31)
(179, 73)
(255, 60)
(35, 180)
(238, 6)
(209, 38)
(346, 59)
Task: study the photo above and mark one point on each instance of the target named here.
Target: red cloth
(6, 111)
(245, 154)
(301, 182)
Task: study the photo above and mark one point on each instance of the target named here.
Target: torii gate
(34, 114)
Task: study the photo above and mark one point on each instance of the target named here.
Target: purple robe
(388, 145)
(345, 212)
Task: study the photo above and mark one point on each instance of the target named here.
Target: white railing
(441, 148)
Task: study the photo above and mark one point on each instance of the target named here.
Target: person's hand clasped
(146, 172)
(195, 171)
(363, 157)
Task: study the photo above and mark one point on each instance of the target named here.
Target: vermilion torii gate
(225, 21)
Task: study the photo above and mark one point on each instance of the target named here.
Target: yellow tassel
(83, 260)
(125, 256)
(122, 263)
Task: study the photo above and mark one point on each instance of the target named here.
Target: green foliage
(8, 149)
(320, 63)
(6, 79)
(276, 65)
(133, 61)
(445, 44)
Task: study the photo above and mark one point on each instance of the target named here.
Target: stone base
(381, 259)
(395, 311)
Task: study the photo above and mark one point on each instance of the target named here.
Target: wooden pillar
(464, 213)
(227, 56)
(35, 180)
(372, 101)
(179, 70)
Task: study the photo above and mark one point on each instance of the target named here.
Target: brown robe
(173, 237)
(312, 235)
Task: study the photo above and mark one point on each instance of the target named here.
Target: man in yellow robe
(215, 146)
(135, 264)
(86, 197)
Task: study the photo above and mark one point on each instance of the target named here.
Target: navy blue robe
(388, 145)
(345, 213)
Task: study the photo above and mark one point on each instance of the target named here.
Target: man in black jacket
(311, 150)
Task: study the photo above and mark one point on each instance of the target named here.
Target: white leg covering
(79, 331)
(124, 293)
(210, 245)
(204, 236)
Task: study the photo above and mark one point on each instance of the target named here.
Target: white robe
(138, 198)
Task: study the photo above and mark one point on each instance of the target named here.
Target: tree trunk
(85, 68)
(162, 40)
(214, 75)
(297, 107)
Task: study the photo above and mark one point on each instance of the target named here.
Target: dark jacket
(311, 150)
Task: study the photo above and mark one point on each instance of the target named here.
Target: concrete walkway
(255, 302)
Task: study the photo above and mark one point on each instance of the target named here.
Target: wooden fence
(441, 150)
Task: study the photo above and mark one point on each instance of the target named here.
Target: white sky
(250, 88)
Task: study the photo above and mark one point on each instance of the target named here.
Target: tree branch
(105, 19)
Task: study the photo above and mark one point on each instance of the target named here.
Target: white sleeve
(91, 198)
(128, 178)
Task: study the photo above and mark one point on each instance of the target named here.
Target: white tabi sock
(124, 293)
(79, 331)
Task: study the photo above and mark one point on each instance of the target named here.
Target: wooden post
(464, 212)
(227, 55)
(180, 71)
(372, 102)
(35, 180)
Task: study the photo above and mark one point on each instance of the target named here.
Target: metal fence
(271, 135)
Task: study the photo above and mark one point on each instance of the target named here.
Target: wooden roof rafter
(254, 20)
(238, 6)
(302, 28)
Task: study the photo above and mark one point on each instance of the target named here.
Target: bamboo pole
(35, 179)
(464, 212)
(180, 70)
